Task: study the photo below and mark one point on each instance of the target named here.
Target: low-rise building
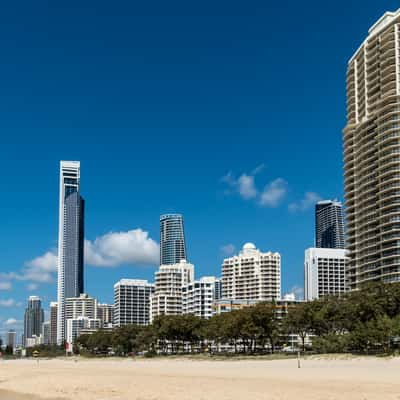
(199, 296)
(132, 302)
(324, 272)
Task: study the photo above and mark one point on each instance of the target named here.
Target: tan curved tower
(372, 155)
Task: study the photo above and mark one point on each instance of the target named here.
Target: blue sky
(228, 112)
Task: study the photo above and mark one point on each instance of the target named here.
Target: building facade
(324, 272)
(33, 319)
(81, 306)
(199, 296)
(70, 241)
(329, 225)
(105, 313)
(76, 325)
(132, 302)
(45, 335)
(252, 275)
(172, 239)
(371, 163)
(169, 281)
(11, 338)
(53, 322)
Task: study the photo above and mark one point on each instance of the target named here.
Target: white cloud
(5, 285)
(228, 249)
(274, 193)
(9, 303)
(297, 291)
(31, 286)
(309, 200)
(122, 248)
(246, 187)
(12, 322)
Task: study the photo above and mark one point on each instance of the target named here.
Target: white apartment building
(82, 306)
(252, 275)
(324, 272)
(199, 296)
(76, 325)
(132, 302)
(169, 281)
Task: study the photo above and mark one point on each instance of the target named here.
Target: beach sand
(184, 379)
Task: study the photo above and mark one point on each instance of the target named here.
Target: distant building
(33, 318)
(324, 272)
(70, 241)
(172, 239)
(329, 225)
(11, 338)
(199, 296)
(132, 302)
(105, 312)
(33, 341)
(169, 280)
(76, 325)
(252, 275)
(45, 336)
(53, 322)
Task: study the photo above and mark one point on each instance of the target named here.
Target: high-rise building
(11, 338)
(324, 272)
(172, 239)
(252, 275)
(132, 302)
(329, 225)
(105, 312)
(199, 296)
(169, 281)
(70, 240)
(53, 322)
(371, 161)
(33, 319)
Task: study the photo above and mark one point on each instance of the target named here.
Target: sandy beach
(318, 379)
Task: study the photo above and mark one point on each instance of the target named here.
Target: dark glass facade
(172, 239)
(329, 225)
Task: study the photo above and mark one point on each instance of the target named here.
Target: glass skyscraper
(70, 241)
(329, 225)
(172, 239)
(33, 319)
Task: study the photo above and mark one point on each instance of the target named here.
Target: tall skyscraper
(172, 239)
(324, 272)
(371, 161)
(252, 275)
(70, 241)
(329, 225)
(33, 319)
(132, 302)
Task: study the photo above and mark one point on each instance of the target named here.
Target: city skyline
(234, 135)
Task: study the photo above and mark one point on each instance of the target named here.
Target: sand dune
(318, 379)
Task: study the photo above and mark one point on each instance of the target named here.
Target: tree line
(364, 321)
